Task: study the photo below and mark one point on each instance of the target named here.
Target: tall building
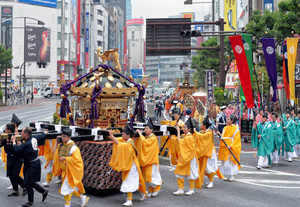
(125, 5)
(135, 53)
(38, 44)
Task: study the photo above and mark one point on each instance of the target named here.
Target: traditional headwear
(207, 122)
(288, 112)
(66, 131)
(177, 111)
(189, 124)
(16, 120)
(140, 118)
(150, 124)
(265, 115)
(222, 107)
(233, 118)
(128, 130)
(188, 112)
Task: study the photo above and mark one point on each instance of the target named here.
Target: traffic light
(42, 64)
(190, 33)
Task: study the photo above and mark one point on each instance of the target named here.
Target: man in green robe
(297, 145)
(290, 136)
(278, 137)
(263, 140)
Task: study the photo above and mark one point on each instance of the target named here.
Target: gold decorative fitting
(62, 95)
(131, 77)
(88, 97)
(119, 85)
(88, 121)
(100, 74)
(93, 85)
(108, 85)
(97, 76)
(70, 115)
(92, 79)
(145, 83)
(77, 76)
(91, 69)
(122, 80)
(100, 69)
(83, 79)
(110, 78)
(84, 85)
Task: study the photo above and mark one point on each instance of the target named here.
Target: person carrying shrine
(148, 150)
(187, 166)
(278, 137)
(206, 153)
(124, 159)
(231, 135)
(221, 119)
(263, 139)
(70, 165)
(290, 136)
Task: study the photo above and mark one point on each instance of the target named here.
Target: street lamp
(39, 22)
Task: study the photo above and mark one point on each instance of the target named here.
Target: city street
(276, 186)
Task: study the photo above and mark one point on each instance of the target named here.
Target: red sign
(86, 60)
(135, 21)
(8, 73)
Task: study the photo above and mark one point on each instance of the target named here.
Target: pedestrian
(232, 137)
(28, 97)
(14, 162)
(31, 97)
(206, 153)
(148, 150)
(262, 138)
(187, 166)
(32, 164)
(124, 159)
(71, 166)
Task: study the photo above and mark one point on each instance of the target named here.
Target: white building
(35, 77)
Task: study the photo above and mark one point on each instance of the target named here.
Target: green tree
(261, 81)
(5, 62)
(210, 59)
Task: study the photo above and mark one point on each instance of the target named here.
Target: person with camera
(14, 162)
(32, 165)
(69, 165)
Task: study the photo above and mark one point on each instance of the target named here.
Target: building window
(59, 4)
(100, 12)
(58, 52)
(58, 20)
(132, 35)
(58, 36)
(99, 43)
(100, 22)
(99, 32)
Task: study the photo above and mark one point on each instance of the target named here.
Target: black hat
(16, 120)
(265, 115)
(140, 119)
(189, 123)
(150, 123)
(288, 112)
(177, 111)
(207, 122)
(233, 118)
(66, 131)
(128, 130)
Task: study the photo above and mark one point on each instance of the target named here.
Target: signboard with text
(6, 26)
(210, 84)
(137, 72)
(47, 3)
(87, 40)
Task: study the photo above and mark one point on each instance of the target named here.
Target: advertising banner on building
(37, 44)
(137, 72)
(269, 5)
(87, 39)
(240, 13)
(6, 26)
(189, 15)
(47, 3)
(73, 33)
(210, 84)
(230, 15)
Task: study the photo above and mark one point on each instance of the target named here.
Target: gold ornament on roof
(119, 85)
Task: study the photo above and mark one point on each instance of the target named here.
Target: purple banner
(270, 58)
(210, 84)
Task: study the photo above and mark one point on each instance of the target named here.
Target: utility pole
(24, 80)
(62, 35)
(222, 59)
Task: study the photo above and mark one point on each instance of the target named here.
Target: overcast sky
(163, 8)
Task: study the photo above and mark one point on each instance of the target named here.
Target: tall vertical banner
(230, 15)
(243, 68)
(248, 50)
(292, 44)
(6, 26)
(210, 84)
(87, 39)
(285, 72)
(270, 58)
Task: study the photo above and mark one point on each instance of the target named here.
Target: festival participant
(206, 153)
(258, 117)
(187, 166)
(124, 159)
(297, 145)
(49, 146)
(278, 137)
(231, 135)
(229, 110)
(14, 162)
(71, 167)
(172, 143)
(148, 149)
(32, 164)
(290, 136)
(221, 119)
(263, 139)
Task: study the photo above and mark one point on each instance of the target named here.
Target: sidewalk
(36, 102)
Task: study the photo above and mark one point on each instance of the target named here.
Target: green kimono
(297, 120)
(265, 145)
(290, 135)
(278, 134)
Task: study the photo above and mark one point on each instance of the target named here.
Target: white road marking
(269, 181)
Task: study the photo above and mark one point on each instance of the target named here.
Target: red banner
(243, 69)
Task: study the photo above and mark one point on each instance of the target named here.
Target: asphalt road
(276, 186)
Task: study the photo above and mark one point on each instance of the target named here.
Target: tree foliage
(5, 58)
(210, 59)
